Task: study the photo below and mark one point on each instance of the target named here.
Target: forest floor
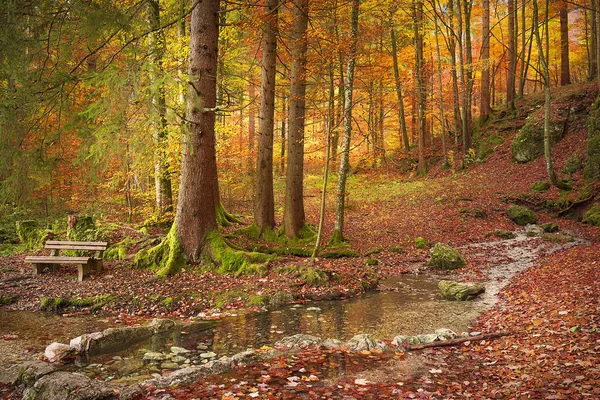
(551, 310)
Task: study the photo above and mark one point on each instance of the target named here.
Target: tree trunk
(338, 230)
(543, 54)
(565, 74)
(420, 84)
(264, 212)
(293, 213)
(512, 60)
(199, 187)
(162, 176)
(484, 109)
(441, 87)
(468, 91)
(251, 126)
(282, 133)
(455, 93)
(593, 63)
(398, 85)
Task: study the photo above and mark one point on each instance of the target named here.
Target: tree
(565, 74)
(338, 230)
(484, 108)
(264, 211)
(421, 89)
(293, 211)
(156, 46)
(398, 84)
(512, 57)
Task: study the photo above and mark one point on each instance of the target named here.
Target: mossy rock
(591, 171)
(31, 235)
(550, 227)
(372, 261)
(592, 216)
(421, 243)
(528, 144)
(573, 164)
(540, 186)
(445, 257)
(462, 291)
(397, 249)
(521, 215)
(504, 234)
(376, 250)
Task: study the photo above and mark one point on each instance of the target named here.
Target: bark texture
(293, 212)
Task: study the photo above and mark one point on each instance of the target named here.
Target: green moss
(398, 249)
(375, 250)
(337, 238)
(7, 300)
(540, 186)
(311, 276)
(372, 261)
(488, 145)
(521, 215)
(591, 171)
(550, 227)
(57, 304)
(592, 216)
(573, 163)
(528, 144)
(168, 302)
(338, 253)
(258, 300)
(224, 218)
(445, 257)
(232, 260)
(421, 243)
(7, 249)
(166, 258)
(118, 251)
(501, 233)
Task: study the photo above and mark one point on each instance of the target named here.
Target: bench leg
(39, 268)
(84, 272)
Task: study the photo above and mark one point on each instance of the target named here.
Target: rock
(116, 339)
(81, 343)
(219, 366)
(179, 350)
(532, 230)
(57, 351)
(202, 346)
(452, 290)
(550, 227)
(521, 215)
(528, 144)
(540, 186)
(313, 309)
(169, 365)
(428, 338)
(364, 342)
(445, 257)
(154, 356)
(334, 344)
(446, 334)
(501, 233)
(178, 359)
(208, 354)
(160, 325)
(298, 341)
(180, 377)
(68, 386)
(592, 216)
(26, 373)
(244, 357)
(401, 340)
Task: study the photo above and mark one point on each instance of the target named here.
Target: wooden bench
(84, 264)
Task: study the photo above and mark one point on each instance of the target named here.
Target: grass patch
(57, 304)
(7, 300)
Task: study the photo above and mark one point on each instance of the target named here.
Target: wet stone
(178, 350)
(154, 356)
(169, 365)
(209, 354)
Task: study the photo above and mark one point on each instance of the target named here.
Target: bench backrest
(69, 245)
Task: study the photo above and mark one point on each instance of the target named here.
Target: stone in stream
(208, 354)
(154, 356)
(452, 290)
(57, 351)
(334, 344)
(68, 386)
(179, 350)
(446, 334)
(401, 340)
(532, 230)
(298, 341)
(521, 215)
(445, 257)
(364, 342)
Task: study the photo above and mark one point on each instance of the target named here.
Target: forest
(299, 199)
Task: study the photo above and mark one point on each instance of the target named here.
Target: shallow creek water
(407, 304)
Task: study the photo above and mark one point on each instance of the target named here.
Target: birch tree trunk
(338, 231)
(293, 212)
(264, 212)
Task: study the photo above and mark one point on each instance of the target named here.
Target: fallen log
(453, 342)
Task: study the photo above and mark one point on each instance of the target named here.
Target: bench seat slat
(74, 247)
(75, 242)
(57, 260)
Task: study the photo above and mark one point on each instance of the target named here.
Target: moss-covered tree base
(337, 238)
(224, 218)
(167, 258)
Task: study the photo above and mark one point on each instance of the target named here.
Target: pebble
(209, 354)
(179, 350)
(202, 346)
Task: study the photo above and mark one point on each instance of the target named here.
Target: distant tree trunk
(543, 54)
(592, 56)
(198, 191)
(398, 85)
(441, 87)
(512, 59)
(468, 91)
(455, 93)
(293, 212)
(597, 16)
(162, 176)
(524, 62)
(338, 230)
(282, 132)
(420, 87)
(484, 109)
(251, 126)
(264, 211)
(565, 74)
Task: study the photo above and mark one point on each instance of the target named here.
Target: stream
(407, 304)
